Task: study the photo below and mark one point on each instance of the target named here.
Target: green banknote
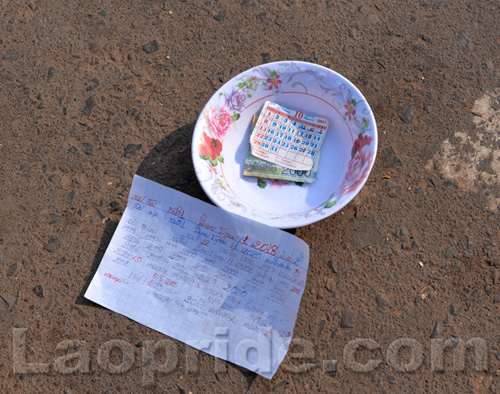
(256, 167)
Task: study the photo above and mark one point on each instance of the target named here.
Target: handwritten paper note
(220, 283)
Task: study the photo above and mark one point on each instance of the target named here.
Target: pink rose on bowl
(360, 143)
(359, 168)
(218, 121)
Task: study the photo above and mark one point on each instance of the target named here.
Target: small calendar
(287, 137)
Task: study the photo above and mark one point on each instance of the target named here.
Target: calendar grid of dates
(287, 137)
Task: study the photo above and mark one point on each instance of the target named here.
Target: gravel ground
(94, 92)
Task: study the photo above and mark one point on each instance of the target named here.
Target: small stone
(470, 383)
(313, 58)
(266, 57)
(94, 83)
(464, 36)
(496, 300)
(158, 21)
(493, 262)
(55, 178)
(89, 106)
(51, 73)
(38, 290)
(394, 188)
(151, 47)
(378, 51)
(348, 319)
(321, 327)
(365, 232)
(390, 158)
(448, 252)
(403, 231)
(54, 218)
(263, 17)
(333, 266)
(383, 304)
(330, 365)
(435, 331)
(132, 149)
(458, 265)
(415, 245)
(133, 112)
(495, 277)
(115, 205)
(221, 15)
(453, 311)
(353, 33)
(73, 149)
(53, 245)
(11, 271)
(407, 115)
(417, 45)
(87, 148)
(22, 376)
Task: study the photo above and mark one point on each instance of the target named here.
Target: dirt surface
(93, 92)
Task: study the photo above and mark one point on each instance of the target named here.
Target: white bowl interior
(334, 159)
(307, 88)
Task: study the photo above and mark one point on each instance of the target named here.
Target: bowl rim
(298, 221)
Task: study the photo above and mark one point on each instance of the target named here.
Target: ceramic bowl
(221, 138)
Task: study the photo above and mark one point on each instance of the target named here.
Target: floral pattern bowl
(222, 132)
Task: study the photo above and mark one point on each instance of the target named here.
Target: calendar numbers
(288, 137)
